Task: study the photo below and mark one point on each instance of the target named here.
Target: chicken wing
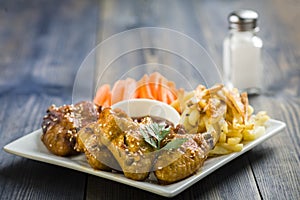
(120, 134)
(61, 124)
(177, 164)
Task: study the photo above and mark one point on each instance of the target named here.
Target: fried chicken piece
(120, 134)
(59, 130)
(177, 164)
(97, 154)
(85, 112)
(61, 124)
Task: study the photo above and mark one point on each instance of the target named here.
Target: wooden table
(42, 44)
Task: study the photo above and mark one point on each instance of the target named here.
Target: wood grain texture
(205, 21)
(42, 44)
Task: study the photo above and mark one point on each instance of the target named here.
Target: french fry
(250, 135)
(233, 133)
(194, 117)
(222, 138)
(238, 125)
(234, 148)
(219, 150)
(234, 140)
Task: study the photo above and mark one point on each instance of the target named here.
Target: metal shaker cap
(243, 20)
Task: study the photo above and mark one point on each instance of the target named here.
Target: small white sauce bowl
(148, 107)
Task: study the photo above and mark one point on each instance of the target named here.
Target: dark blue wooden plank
(42, 45)
(272, 169)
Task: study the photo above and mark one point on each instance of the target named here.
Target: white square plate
(30, 146)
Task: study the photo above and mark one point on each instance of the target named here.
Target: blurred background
(46, 40)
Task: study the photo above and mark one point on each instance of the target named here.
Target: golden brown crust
(97, 155)
(59, 132)
(175, 165)
(120, 135)
(61, 124)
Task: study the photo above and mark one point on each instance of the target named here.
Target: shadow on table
(238, 173)
(54, 181)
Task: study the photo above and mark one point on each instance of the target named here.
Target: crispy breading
(175, 165)
(121, 136)
(97, 154)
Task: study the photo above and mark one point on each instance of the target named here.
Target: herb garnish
(154, 133)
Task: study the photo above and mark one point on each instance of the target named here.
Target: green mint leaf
(164, 132)
(174, 144)
(148, 139)
(154, 133)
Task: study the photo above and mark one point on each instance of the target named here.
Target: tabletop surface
(43, 43)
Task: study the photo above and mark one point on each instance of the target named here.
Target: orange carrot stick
(164, 89)
(107, 102)
(101, 94)
(172, 87)
(170, 96)
(153, 83)
(129, 89)
(117, 92)
(144, 88)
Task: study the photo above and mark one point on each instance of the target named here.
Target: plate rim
(275, 126)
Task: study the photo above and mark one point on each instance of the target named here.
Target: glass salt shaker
(242, 64)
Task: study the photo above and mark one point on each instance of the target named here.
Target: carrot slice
(163, 89)
(143, 89)
(172, 87)
(170, 97)
(154, 86)
(129, 89)
(154, 83)
(107, 102)
(117, 92)
(101, 94)
(139, 87)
